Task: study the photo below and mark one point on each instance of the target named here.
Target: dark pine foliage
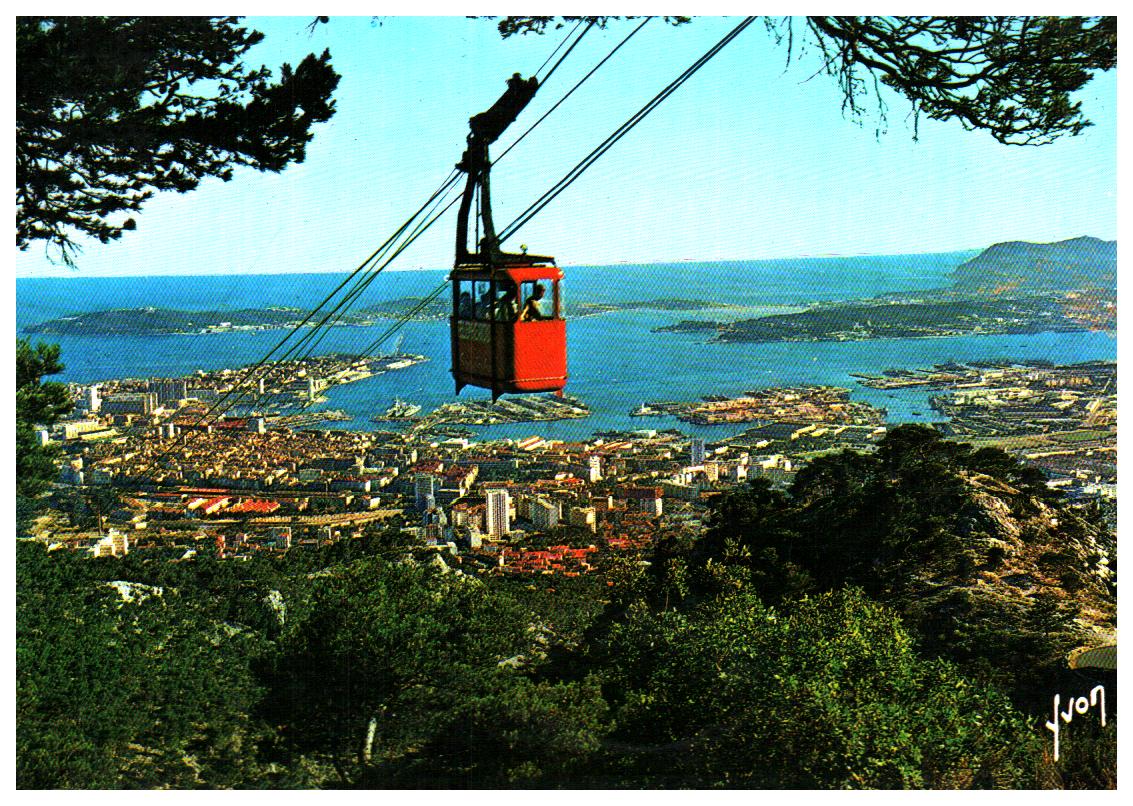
(909, 525)
(111, 109)
(38, 404)
(1009, 76)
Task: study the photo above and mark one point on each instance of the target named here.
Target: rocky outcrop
(1032, 574)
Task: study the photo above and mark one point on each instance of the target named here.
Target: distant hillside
(1078, 263)
(152, 321)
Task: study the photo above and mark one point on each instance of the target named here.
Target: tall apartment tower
(425, 486)
(696, 452)
(645, 499)
(497, 521)
(94, 402)
(544, 514)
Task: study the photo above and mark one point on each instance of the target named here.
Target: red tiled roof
(426, 466)
(255, 506)
(567, 482)
(232, 423)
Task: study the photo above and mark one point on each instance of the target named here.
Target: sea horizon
(67, 273)
(615, 362)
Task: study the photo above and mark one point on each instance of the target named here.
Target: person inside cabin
(506, 307)
(484, 305)
(532, 311)
(465, 309)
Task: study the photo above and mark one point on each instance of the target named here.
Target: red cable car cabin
(508, 332)
(507, 326)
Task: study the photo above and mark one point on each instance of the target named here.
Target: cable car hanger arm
(485, 129)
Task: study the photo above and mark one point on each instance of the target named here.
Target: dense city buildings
(178, 481)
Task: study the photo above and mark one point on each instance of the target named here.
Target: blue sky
(750, 159)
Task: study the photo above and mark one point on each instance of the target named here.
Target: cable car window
(482, 299)
(537, 303)
(465, 307)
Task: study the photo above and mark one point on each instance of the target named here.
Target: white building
(586, 517)
(736, 472)
(544, 514)
(696, 452)
(73, 429)
(497, 518)
(114, 544)
(589, 469)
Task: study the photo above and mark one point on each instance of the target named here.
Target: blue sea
(615, 360)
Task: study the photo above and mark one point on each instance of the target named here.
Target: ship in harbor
(399, 411)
